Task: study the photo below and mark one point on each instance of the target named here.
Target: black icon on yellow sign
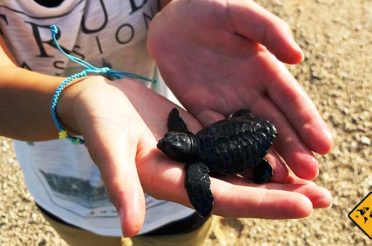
(361, 215)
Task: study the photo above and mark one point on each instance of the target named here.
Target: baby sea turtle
(230, 146)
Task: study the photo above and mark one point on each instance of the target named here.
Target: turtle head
(178, 146)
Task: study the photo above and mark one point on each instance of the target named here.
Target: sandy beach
(336, 36)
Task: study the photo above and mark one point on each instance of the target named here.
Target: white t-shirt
(61, 176)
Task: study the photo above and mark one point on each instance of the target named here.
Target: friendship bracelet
(62, 133)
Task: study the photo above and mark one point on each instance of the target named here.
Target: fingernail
(328, 140)
(326, 201)
(299, 50)
(328, 134)
(122, 217)
(297, 47)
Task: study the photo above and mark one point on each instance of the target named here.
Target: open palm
(226, 57)
(121, 131)
(217, 57)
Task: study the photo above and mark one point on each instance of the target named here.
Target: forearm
(25, 98)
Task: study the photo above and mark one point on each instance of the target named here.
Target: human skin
(216, 66)
(121, 129)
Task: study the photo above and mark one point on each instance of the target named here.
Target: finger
(324, 201)
(293, 101)
(319, 196)
(287, 143)
(253, 202)
(113, 150)
(280, 170)
(207, 117)
(256, 23)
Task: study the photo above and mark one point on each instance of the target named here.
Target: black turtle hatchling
(230, 146)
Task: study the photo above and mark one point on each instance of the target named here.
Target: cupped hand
(219, 56)
(122, 122)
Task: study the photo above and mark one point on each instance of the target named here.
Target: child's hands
(122, 122)
(217, 56)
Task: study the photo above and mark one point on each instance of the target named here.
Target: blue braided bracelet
(62, 133)
(89, 69)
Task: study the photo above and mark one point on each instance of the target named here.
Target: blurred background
(336, 36)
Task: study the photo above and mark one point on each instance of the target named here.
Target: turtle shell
(235, 144)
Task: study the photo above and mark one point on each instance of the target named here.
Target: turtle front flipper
(197, 184)
(176, 123)
(242, 113)
(263, 172)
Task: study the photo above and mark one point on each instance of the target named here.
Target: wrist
(69, 102)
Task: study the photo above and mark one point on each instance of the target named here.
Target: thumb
(114, 153)
(109, 124)
(256, 23)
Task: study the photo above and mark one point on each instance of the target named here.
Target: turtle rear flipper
(176, 123)
(263, 172)
(197, 184)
